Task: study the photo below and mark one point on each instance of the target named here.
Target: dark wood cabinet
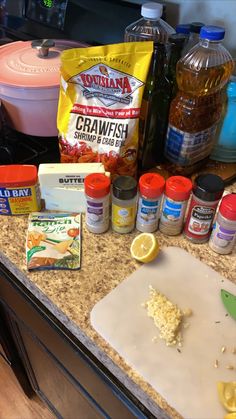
(59, 368)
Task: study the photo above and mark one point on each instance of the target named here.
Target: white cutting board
(187, 380)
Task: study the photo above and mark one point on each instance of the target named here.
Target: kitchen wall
(213, 12)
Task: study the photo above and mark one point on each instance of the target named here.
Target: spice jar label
(201, 219)
(148, 211)
(222, 239)
(173, 211)
(123, 217)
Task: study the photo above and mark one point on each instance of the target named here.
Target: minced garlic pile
(167, 317)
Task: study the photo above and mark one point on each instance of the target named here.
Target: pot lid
(24, 65)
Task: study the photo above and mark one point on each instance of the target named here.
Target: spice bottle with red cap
(97, 193)
(207, 192)
(151, 188)
(223, 236)
(177, 192)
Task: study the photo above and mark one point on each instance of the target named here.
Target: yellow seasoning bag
(99, 104)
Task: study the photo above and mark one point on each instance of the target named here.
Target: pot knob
(42, 45)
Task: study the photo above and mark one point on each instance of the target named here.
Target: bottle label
(97, 213)
(148, 211)
(123, 217)
(188, 148)
(172, 215)
(222, 239)
(200, 220)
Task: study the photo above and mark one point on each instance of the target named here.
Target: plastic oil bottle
(196, 110)
(150, 27)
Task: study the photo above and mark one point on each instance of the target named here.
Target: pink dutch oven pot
(29, 84)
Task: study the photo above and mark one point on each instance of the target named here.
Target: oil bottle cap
(213, 33)
(195, 27)
(208, 187)
(178, 188)
(125, 187)
(228, 207)
(178, 39)
(183, 28)
(152, 10)
(151, 185)
(97, 185)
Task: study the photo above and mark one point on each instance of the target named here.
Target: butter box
(64, 199)
(66, 174)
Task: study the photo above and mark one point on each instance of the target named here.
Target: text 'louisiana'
(122, 83)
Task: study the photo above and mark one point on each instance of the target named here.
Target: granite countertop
(70, 296)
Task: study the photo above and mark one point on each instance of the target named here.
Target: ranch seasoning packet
(53, 241)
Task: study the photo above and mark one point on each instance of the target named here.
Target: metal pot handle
(42, 45)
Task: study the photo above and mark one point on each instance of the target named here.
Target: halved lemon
(230, 415)
(227, 395)
(144, 247)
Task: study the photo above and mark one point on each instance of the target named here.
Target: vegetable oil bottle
(150, 27)
(195, 111)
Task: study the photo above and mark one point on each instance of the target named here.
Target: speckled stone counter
(70, 296)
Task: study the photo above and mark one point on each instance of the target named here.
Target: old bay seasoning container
(151, 188)
(19, 189)
(97, 193)
(124, 204)
(177, 192)
(207, 192)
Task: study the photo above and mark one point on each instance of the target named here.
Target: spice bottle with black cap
(207, 192)
(124, 204)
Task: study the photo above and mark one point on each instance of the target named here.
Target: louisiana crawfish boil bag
(99, 104)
